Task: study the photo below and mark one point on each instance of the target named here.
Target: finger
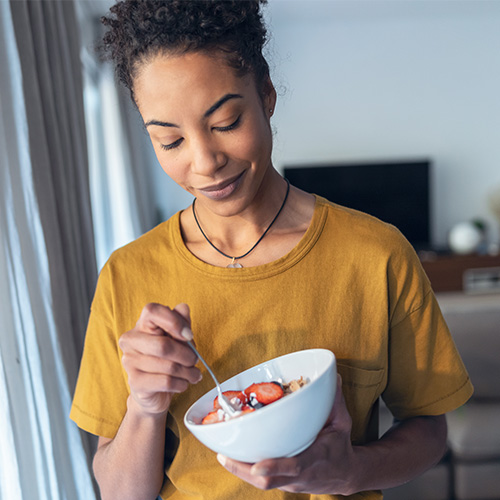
(158, 319)
(294, 488)
(164, 347)
(243, 471)
(240, 469)
(288, 467)
(151, 383)
(160, 366)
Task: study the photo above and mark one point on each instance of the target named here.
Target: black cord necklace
(234, 259)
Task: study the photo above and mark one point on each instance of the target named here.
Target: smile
(222, 189)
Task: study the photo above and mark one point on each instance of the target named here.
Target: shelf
(468, 273)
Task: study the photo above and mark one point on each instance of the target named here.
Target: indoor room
(388, 107)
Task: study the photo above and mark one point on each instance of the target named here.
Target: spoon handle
(190, 344)
(223, 401)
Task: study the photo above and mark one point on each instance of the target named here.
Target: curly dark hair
(140, 29)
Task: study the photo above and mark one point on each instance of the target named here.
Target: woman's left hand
(326, 467)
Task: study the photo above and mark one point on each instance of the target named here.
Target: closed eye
(227, 128)
(172, 145)
(178, 142)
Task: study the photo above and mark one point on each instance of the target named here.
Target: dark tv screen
(395, 191)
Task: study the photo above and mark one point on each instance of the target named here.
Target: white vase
(465, 238)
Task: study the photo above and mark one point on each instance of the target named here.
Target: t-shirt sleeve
(99, 403)
(426, 373)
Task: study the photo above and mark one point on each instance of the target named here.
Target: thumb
(183, 310)
(339, 418)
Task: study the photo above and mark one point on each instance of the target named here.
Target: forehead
(192, 80)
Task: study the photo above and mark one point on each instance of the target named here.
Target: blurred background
(360, 82)
(379, 80)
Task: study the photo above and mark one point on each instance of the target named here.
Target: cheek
(168, 162)
(164, 163)
(173, 168)
(257, 146)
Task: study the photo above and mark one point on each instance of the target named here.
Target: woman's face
(210, 128)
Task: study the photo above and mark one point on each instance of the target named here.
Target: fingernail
(221, 459)
(258, 470)
(187, 333)
(200, 378)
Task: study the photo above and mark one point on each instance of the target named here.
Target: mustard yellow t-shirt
(352, 285)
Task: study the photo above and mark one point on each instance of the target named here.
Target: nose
(206, 156)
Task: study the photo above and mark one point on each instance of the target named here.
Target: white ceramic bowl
(283, 428)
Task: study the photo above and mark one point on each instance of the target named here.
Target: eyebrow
(220, 102)
(212, 109)
(160, 124)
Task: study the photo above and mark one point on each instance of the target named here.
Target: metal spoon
(224, 402)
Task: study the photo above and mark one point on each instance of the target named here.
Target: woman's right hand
(156, 357)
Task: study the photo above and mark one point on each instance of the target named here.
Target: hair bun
(138, 29)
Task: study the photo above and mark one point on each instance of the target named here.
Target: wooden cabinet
(468, 273)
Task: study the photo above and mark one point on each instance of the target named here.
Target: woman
(255, 268)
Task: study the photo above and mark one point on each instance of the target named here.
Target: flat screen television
(397, 192)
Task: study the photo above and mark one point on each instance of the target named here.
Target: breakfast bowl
(283, 428)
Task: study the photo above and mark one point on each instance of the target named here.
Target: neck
(235, 257)
(236, 233)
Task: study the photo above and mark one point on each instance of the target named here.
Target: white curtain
(47, 261)
(120, 184)
(119, 158)
(113, 205)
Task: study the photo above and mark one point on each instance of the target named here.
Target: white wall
(382, 79)
(372, 79)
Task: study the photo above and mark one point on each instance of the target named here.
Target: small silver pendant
(235, 265)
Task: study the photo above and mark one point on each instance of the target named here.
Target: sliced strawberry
(247, 409)
(265, 392)
(230, 395)
(212, 418)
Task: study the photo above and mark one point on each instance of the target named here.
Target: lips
(222, 189)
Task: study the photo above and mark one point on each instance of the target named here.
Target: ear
(268, 95)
